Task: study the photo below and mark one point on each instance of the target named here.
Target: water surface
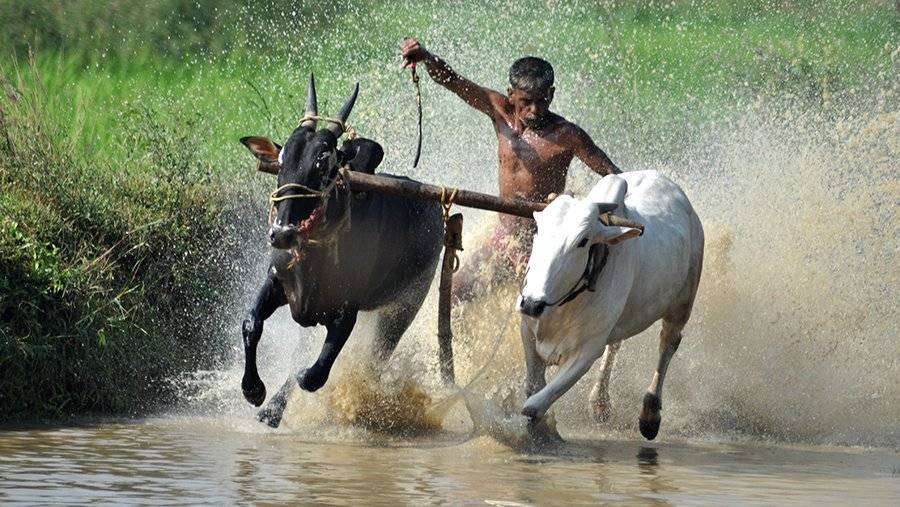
(225, 460)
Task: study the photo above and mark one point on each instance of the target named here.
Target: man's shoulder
(499, 100)
(566, 126)
(568, 129)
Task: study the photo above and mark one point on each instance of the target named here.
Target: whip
(415, 80)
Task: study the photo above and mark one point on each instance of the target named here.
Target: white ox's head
(561, 256)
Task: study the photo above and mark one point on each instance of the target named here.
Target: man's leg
(476, 274)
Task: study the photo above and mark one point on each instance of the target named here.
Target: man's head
(531, 90)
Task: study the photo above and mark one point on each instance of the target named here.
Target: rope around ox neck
(345, 127)
(308, 226)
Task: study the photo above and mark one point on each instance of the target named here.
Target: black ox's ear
(262, 148)
(362, 155)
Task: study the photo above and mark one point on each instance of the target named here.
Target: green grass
(664, 62)
(112, 271)
(121, 175)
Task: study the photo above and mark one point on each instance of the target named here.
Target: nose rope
(275, 196)
(307, 226)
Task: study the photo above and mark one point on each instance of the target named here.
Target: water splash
(793, 335)
(364, 398)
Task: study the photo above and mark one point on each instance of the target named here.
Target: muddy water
(228, 461)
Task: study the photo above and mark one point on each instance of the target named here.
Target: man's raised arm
(483, 99)
(591, 154)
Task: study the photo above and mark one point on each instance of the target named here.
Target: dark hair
(531, 73)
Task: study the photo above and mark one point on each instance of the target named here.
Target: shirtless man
(535, 148)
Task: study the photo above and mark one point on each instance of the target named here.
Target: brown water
(201, 460)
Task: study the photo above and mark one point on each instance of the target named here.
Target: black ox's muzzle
(282, 237)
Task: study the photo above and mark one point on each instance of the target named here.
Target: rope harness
(588, 280)
(307, 228)
(451, 241)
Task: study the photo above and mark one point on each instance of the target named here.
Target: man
(535, 148)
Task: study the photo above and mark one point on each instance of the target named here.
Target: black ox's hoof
(650, 416)
(270, 416)
(649, 428)
(255, 393)
(311, 380)
(542, 433)
(531, 413)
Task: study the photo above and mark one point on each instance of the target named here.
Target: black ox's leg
(391, 324)
(268, 299)
(273, 411)
(314, 377)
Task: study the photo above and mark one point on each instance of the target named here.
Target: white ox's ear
(613, 234)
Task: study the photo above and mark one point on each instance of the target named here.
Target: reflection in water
(654, 480)
(648, 459)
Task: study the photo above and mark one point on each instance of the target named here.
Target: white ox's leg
(569, 373)
(600, 393)
(669, 339)
(535, 369)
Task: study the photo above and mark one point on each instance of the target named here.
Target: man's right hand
(412, 52)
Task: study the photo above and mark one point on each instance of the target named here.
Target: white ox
(571, 318)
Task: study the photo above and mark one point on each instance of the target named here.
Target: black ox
(336, 253)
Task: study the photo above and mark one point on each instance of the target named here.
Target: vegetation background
(128, 212)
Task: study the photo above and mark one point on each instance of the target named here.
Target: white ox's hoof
(533, 409)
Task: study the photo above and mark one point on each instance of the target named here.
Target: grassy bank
(113, 272)
(123, 190)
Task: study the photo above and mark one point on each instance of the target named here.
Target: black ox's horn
(344, 113)
(312, 105)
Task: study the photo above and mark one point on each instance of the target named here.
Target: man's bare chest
(533, 149)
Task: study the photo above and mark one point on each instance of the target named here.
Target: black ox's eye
(582, 243)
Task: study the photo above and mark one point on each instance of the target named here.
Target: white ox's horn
(605, 215)
(606, 207)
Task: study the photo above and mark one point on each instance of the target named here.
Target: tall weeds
(111, 271)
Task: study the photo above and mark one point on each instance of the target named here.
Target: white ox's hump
(610, 189)
(648, 193)
(554, 215)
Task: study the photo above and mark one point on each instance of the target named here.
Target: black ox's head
(306, 167)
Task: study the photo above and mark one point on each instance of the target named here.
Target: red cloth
(514, 246)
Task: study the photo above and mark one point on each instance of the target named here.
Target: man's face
(531, 107)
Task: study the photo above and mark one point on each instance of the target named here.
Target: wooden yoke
(364, 182)
(416, 190)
